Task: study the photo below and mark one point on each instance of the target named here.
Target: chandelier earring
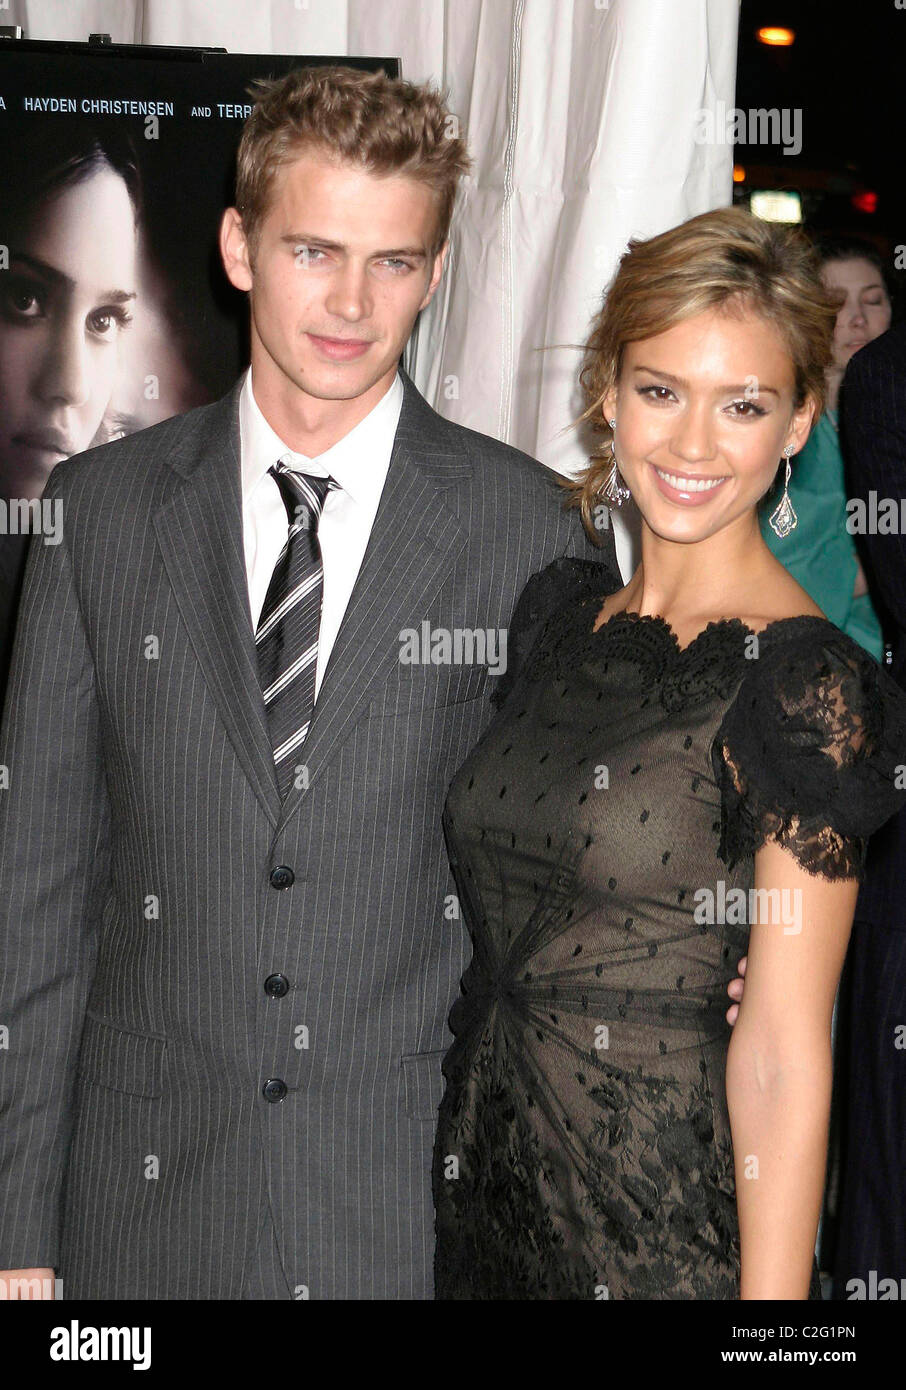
(784, 519)
(615, 490)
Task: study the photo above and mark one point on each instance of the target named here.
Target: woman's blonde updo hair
(717, 258)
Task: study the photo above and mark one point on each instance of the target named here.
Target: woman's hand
(735, 989)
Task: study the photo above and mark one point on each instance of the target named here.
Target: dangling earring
(615, 491)
(784, 519)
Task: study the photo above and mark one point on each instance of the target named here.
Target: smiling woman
(700, 733)
(71, 228)
(725, 270)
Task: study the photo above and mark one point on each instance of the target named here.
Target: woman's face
(866, 312)
(64, 302)
(703, 414)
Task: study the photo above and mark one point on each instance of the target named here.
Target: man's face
(341, 270)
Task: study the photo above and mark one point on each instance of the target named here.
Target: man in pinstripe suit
(225, 969)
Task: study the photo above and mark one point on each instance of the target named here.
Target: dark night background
(846, 71)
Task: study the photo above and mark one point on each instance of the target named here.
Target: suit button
(274, 1090)
(276, 986)
(282, 876)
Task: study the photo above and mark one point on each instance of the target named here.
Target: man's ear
(440, 261)
(234, 251)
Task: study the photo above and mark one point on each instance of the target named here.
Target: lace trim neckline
(655, 623)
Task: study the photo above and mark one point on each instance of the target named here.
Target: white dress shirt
(359, 463)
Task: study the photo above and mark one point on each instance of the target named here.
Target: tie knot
(303, 494)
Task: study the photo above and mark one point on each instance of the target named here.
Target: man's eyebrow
(729, 387)
(56, 276)
(300, 238)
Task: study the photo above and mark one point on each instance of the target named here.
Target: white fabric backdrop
(580, 117)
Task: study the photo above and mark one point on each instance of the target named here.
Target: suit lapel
(414, 542)
(199, 527)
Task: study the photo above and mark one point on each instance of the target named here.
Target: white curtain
(580, 116)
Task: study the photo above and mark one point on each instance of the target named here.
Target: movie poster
(115, 167)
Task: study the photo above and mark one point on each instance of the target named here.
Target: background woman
(819, 552)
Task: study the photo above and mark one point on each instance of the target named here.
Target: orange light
(739, 174)
(775, 38)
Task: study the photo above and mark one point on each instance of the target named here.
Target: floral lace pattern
(584, 1146)
(809, 721)
(808, 756)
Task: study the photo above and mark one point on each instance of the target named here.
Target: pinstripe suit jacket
(139, 919)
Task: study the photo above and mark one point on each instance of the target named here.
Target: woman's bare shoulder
(781, 597)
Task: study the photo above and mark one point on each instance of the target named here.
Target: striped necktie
(287, 633)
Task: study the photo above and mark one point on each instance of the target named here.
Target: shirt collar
(354, 461)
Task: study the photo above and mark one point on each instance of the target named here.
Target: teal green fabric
(820, 553)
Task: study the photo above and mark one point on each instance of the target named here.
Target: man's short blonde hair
(379, 123)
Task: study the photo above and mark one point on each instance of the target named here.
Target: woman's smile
(687, 490)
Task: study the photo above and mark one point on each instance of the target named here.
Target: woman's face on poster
(65, 302)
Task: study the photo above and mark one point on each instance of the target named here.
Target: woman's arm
(779, 1070)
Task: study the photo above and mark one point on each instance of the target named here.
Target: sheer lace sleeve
(811, 755)
(565, 580)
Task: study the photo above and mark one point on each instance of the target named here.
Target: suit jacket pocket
(413, 688)
(121, 1060)
(423, 1084)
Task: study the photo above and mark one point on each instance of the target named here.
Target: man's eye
(307, 255)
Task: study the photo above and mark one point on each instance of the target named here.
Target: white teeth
(688, 484)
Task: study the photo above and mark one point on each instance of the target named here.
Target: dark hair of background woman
(854, 248)
(55, 154)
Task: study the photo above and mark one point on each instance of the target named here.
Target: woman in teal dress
(819, 552)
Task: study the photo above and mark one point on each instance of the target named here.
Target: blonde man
(240, 687)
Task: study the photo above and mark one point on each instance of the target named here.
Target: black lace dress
(584, 1146)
